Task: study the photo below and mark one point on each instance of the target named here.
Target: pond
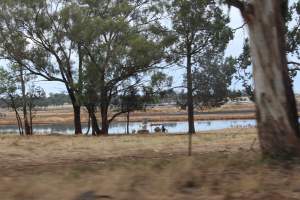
(120, 127)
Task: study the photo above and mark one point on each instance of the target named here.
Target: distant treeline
(54, 99)
(59, 99)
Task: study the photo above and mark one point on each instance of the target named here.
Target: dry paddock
(225, 165)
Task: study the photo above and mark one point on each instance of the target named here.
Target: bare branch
(293, 63)
(117, 114)
(296, 66)
(236, 3)
(240, 27)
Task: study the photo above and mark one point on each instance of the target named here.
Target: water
(120, 127)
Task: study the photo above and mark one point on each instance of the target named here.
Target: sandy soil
(225, 165)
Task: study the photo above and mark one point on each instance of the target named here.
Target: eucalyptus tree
(22, 79)
(131, 101)
(160, 82)
(201, 29)
(8, 92)
(90, 96)
(277, 117)
(212, 80)
(19, 96)
(124, 42)
(39, 35)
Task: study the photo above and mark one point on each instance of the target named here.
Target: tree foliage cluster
(104, 49)
(20, 97)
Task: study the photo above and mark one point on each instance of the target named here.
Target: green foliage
(293, 33)
(125, 46)
(212, 80)
(202, 35)
(244, 74)
(160, 81)
(8, 84)
(131, 100)
(199, 25)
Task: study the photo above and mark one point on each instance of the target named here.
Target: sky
(234, 49)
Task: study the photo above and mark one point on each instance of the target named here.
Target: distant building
(165, 104)
(239, 100)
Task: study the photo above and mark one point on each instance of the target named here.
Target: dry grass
(65, 115)
(17, 151)
(143, 167)
(241, 106)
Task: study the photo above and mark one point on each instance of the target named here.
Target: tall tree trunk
(77, 120)
(104, 120)
(95, 126)
(104, 107)
(104, 124)
(190, 102)
(127, 125)
(30, 116)
(76, 111)
(94, 121)
(89, 126)
(19, 121)
(26, 122)
(190, 99)
(24, 102)
(275, 101)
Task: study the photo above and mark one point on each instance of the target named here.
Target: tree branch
(117, 114)
(240, 27)
(293, 63)
(296, 66)
(236, 3)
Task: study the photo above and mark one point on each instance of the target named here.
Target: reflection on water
(120, 127)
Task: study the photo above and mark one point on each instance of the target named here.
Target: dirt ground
(225, 165)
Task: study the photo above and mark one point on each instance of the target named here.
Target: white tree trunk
(275, 101)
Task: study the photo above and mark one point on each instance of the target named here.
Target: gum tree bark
(276, 109)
